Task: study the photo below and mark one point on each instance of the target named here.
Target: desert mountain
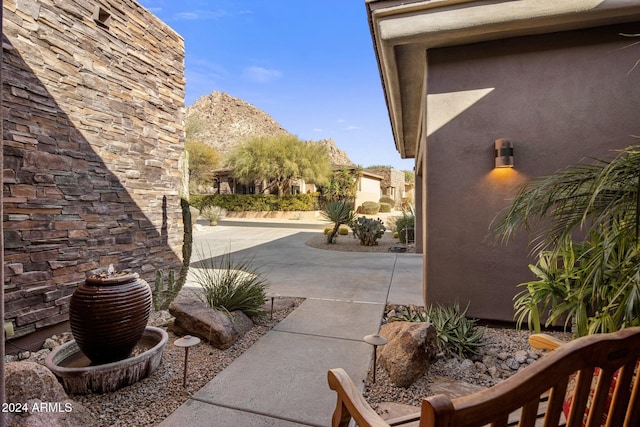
(224, 121)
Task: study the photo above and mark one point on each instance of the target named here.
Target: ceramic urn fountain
(108, 315)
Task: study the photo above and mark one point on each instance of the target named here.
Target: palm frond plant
(584, 224)
(339, 212)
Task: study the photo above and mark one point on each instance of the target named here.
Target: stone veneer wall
(93, 95)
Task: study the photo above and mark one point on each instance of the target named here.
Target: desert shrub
(327, 230)
(213, 214)
(296, 202)
(229, 286)
(370, 208)
(388, 200)
(395, 234)
(343, 231)
(257, 202)
(385, 207)
(457, 335)
(368, 230)
(405, 227)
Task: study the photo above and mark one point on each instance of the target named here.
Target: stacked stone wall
(93, 107)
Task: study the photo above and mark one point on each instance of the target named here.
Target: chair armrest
(350, 402)
(544, 342)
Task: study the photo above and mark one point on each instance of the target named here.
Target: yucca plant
(340, 213)
(231, 285)
(601, 202)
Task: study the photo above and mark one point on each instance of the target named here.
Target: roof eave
(402, 32)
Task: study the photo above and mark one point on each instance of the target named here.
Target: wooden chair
(531, 397)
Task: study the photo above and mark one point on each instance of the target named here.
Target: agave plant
(456, 334)
(599, 202)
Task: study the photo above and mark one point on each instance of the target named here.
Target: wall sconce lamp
(504, 153)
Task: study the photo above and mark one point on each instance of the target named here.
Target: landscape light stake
(186, 342)
(375, 340)
(272, 296)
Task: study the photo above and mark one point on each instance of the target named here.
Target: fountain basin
(78, 376)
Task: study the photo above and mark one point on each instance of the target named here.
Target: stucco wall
(560, 98)
(93, 133)
(392, 184)
(368, 190)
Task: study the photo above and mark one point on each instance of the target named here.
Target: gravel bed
(494, 363)
(151, 400)
(349, 244)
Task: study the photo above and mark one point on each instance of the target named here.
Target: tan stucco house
(556, 78)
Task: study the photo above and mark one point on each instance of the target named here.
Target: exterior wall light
(504, 153)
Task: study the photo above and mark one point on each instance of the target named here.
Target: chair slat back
(598, 371)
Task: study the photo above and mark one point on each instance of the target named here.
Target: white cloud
(317, 129)
(260, 74)
(341, 120)
(348, 128)
(194, 15)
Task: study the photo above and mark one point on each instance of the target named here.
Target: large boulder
(30, 380)
(214, 326)
(410, 348)
(38, 398)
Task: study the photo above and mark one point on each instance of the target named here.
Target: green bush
(257, 202)
(229, 286)
(370, 208)
(385, 207)
(343, 231)
(388, 200)
(457, 335)
(407, 221)
(368, 230)
(327, 230)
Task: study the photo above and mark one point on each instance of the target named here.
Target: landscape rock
(214, 326)
(39, 399)
(241, 322)
(66, 413)
(29, 380)
(410, 348)
(160, 319)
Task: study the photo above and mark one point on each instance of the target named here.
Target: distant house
(556, 78)
(393, 184)
(369, 188)
(225, 183)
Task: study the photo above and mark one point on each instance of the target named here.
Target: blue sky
(308, 64)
